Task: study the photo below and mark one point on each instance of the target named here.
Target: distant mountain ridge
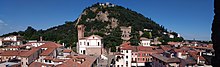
(101, 19)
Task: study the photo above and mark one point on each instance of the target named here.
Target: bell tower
(81, 30)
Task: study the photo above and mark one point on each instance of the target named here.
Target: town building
(145, 41)
(126, 31)
(88, 45)
(11, 40)
(134, 55)
(162, 61)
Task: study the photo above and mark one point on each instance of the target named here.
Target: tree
(113, 39)
(134, 37)
(147, 34)
(29, 33)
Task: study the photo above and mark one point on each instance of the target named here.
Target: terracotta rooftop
(88, 59)
(165, 59)
(13, 52)
(165, 47)
(47, 52)
(69, 63)
(194, 56)
(159, 51)
(54, 59)
(189, 61)
(125, 44)
(39, 64)
(67, 51)
(30, 52)
(145, 48)
(48, 58)
(50, 45)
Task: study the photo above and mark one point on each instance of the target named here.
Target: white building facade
(145, 41)
(11, 40)
(90, 45)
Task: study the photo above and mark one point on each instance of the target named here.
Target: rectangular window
(126, 57)
(87, 43)
(143, 59)
(49, 61)
(84, 43)
(98, 43)
(80, 43)
(126, 51)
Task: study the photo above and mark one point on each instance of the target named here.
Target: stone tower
(81, 30)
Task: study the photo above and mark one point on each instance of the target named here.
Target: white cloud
(7, 28)
(2, 23)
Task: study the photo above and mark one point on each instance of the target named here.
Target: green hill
(104, 20)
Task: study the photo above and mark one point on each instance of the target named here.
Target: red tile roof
(159, 51)
(39, 64)
(50, 45)
(30, 52)
(13, 52)
(48, 58)
(125, 44)
(165, 59)
(69, 63)
(197, 56)
(67, 51)
(165, 47)
(47, 52)
(89, 60)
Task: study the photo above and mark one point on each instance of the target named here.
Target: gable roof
(30, 52)
(95, 36)
(47, 52)
(50, 45)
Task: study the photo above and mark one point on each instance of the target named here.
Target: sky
(190, 18)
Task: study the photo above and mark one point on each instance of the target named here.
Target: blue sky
(190, 18)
